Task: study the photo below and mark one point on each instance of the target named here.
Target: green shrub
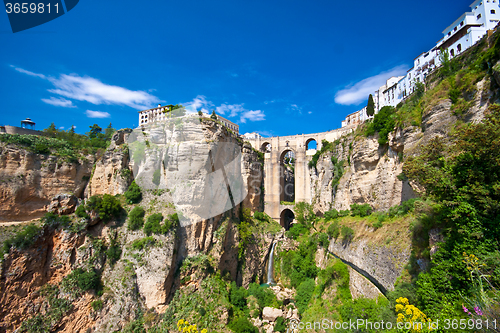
(323, 240)
(110, 207)
(361, 210)
(81, 212)
(53, 220)
(279, 325)
(22, 240)
(82, 279)
(334, 230)
(383, 123)
(264, 295)
(171, 222)
(300, 265)
(347, 233)
(106, 206)
(25, 237)
(97, 305)
(303, 295)
(263, 217)
(344, 213)
(242, 325)
(141, 244)
(296, 230)
(237, 296)
(133, 193)
(156, 177)
(136, 218)
(378, 224)
(153, 224)
(114, 251)
(325, 146)
(331, 215)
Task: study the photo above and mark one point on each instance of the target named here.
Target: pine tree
(213, 116)
(370, 108)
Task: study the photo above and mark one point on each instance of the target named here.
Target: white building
(160, 113)
(229, 124)
(252, 136)
(466, 31)
(152, 115)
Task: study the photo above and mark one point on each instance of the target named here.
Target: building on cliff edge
(160, 113)
(462, 34)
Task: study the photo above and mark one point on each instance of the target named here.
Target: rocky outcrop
(111, 174)
(384, 263)
(362, 287)
(29, 181)
(271, 314)
(63, 204)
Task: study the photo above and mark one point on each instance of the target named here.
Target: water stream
(270, 272)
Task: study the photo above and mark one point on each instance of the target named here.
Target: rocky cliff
(29, 181)
(148, 270)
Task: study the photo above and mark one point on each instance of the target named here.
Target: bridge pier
(273, 167)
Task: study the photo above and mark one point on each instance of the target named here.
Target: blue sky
(272, 66)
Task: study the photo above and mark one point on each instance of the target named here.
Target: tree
(108, 132)
(51, 130)
(95, 130)
(200, 113)
(370, 108)
(213, 116)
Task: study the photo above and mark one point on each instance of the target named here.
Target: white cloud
(96, 92)
(97, 114)
(66, 103)
(309, 112)
(61, 128)
(198, 103)
(20, 70)
(252, 115)
(295, 108)
(355, 94)
(232, 109)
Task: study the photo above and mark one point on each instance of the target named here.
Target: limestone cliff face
(29, 181)
(371, 174)
(111, 174)
(384, 263)
(146, 277)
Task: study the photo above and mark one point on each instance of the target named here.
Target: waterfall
(270, 279)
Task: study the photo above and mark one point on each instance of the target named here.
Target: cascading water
(270, 279)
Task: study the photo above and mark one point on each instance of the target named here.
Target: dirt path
(6, 224)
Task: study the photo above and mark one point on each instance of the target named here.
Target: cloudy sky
(273, 66)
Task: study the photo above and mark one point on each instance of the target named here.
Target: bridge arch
(287, 175)
(286, 218)
(266, 147)
(311, 144)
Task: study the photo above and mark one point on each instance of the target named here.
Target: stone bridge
(276, 188)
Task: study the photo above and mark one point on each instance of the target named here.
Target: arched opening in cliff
(311, 144)
(266, 147)
(287, 176)
(286, 218)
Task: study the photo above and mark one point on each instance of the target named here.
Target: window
(479, 16)
(452, 53)
(462, 23)
(459, 47)
(493, 11)
(455, 29)
(449, 33)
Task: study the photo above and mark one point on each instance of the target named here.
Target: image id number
(32, 8)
